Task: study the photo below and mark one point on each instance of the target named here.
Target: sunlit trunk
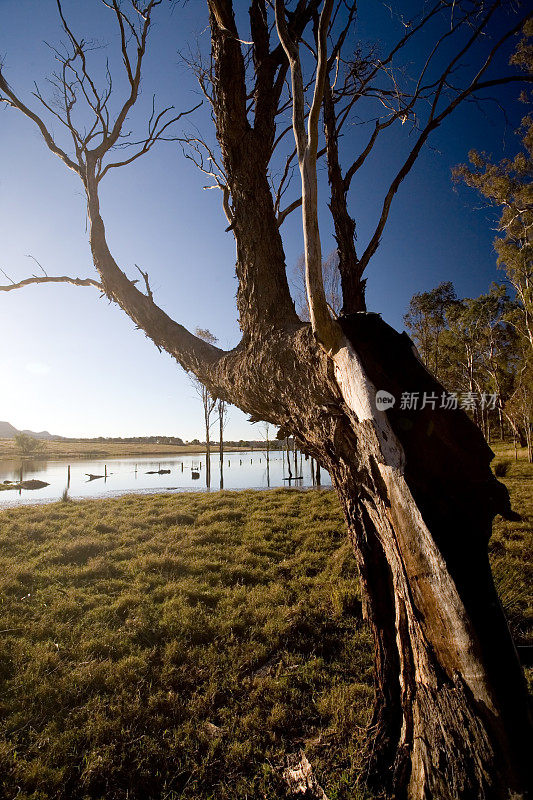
(451, 719)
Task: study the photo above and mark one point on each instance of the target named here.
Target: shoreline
(60, 451)
(118, 494)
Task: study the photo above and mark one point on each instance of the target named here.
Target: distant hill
(41, 434)
(8, 431)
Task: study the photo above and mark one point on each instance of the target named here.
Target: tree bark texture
(451, 718)
(444, 655)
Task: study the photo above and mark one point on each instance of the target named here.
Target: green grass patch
(181, 646)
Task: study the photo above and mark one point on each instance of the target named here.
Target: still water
(108, 477)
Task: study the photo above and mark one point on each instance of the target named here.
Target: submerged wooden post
(289, 460)
(68, 477)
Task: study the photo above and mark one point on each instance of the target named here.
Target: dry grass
(131, 627)
(180, 646)
(94, 449)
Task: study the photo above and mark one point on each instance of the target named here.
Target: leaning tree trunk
(451, 717)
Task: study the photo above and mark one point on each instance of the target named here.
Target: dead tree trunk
(450, 716)
(450, 687)
(221, 422)
(352, 283)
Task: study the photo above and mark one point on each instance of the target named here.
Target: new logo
(384, 400)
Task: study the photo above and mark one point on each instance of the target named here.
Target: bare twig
(146, 282)
(38, 264)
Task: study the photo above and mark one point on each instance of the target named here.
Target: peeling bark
(449, 685)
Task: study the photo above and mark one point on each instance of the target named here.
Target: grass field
(181, 646)
(94, 449)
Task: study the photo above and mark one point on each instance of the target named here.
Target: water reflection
(13, 470)
(98, 478)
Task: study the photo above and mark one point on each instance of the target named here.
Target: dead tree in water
(208, 405)
(222, 419)
(418, 494)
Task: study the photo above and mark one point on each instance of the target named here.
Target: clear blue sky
(73, 363)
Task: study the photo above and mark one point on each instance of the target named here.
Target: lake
(122, 475)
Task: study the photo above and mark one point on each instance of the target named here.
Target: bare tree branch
(50, 279)
(6, 276)
(10, 98)
(134, 75)
(155, 134)
(193, 353)
(435, 119)
(146, 282)
(307, 148)
(282, 216)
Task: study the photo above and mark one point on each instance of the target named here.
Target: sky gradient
(73, 363)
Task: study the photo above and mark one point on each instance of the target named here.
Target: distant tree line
(176, 440)
(472, 347)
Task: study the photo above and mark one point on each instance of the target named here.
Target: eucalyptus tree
(469, 344)
(450, 719)
(481, 351)
(426, 321)
(508, 185)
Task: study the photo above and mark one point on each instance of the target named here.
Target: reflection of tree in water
(11, 470)
(34, 466)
